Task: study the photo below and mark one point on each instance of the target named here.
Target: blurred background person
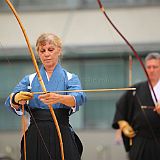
(135, 115)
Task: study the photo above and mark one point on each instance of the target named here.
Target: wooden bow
(128, 44)
(38, 74)
(140, 61)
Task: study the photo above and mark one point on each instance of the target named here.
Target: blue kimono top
(61, 80)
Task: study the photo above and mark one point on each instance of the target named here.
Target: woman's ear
(59, 51)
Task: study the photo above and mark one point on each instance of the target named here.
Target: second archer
(136, 117)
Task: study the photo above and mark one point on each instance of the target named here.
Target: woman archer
(56, 78)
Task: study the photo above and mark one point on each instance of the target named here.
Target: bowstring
(39, 132)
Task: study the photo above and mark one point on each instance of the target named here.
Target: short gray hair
(153, 55)
(52, 38)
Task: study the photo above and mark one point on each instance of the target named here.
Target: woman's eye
(52, 49)
(42, 50)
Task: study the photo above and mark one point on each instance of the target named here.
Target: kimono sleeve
(21, 86)
(75, 84)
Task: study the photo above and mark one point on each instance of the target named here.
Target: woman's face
(49, 54)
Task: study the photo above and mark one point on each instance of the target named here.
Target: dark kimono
(42, 142)
(145, 122)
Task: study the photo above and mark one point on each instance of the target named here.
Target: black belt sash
(62, 115)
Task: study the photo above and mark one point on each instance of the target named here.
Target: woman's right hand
(22, 97)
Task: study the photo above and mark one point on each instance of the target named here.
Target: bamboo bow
(139, 59)
(38, 74)
(128, 44)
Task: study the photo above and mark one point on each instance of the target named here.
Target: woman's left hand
(50, 98)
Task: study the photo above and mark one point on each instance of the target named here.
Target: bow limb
(24, 132)
(38, 74)
(140, 61)
(129, 45)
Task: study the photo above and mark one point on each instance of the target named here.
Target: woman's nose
(46, 53)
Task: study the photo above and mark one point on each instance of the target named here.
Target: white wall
(87, 27)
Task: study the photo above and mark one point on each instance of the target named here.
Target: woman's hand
(50, 98)
(20, 98)
(53, 98)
